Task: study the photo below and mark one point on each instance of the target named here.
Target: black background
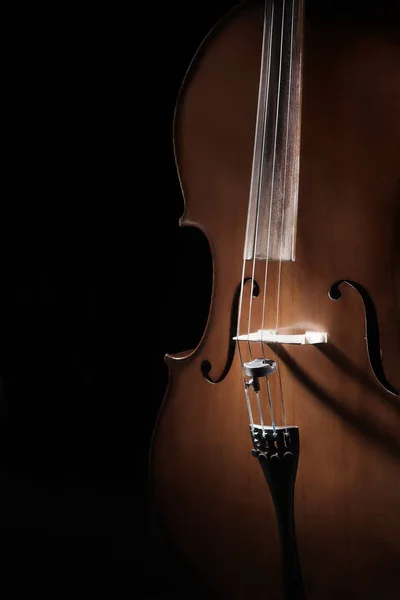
(98, 282)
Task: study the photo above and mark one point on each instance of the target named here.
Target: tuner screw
(254, 453)
(275, 456)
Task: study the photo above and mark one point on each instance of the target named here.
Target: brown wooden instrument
(287, 142)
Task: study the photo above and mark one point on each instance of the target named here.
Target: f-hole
(206, 366)
(371, 331)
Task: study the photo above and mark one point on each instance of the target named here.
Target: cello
(275, 458)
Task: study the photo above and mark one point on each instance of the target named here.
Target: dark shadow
(174, 576)
(361, 423)
(342, 361)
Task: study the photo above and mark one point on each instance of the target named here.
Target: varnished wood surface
(209, 492)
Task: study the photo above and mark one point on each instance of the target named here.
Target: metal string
(273, 171)
(271, 201)
(265, 100)
(261, 99)
(283, 215)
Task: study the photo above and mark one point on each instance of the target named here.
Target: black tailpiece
(278, 455)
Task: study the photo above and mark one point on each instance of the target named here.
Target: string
(273, 172)
(260, 178)
(260, 411)
(261, 100)
(258, 161)
(283, 215)
(271, 410)
(270, 203)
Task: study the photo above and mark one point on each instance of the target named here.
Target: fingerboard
(273, 200)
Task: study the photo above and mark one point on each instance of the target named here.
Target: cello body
(209, 493)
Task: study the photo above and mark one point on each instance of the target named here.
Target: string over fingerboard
(272, 214)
